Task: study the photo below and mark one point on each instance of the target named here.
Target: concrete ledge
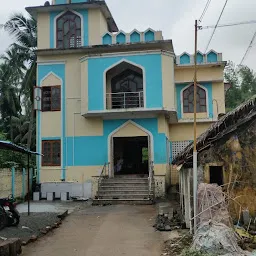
(64, 196)
(50, 196)
(36, 196)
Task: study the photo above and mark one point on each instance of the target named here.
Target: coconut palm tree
(24, 31)
(9, 101)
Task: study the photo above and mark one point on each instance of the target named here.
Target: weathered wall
(237, 154)
(13, 182)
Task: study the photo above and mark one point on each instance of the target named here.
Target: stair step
(130, 177)
(123, 196)
(125, 191)
(124, 187)
(123, 201)
(124, 182)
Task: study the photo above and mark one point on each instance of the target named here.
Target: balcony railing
(122, 100)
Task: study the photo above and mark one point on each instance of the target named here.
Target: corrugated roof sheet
(11, 146)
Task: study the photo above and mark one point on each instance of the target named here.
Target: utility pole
(195, 149)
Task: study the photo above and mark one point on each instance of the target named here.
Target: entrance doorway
(216, 175)
(131, 155)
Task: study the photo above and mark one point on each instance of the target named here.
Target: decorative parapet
(133, 37)
(188, 59)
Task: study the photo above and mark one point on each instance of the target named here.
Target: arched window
(188, 100)
(127, 90)
(68, 30)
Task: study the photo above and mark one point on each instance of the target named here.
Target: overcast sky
(176, 19)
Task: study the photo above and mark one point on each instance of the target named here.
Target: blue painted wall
(43, 71)
(184, 59)
(153, 69)
(107, 39)
(149, 36)
(135, 37)
(208, 87)
(93, 150)
(212, 57)
(84, 13)
(60, 1)
(78, 1)
(121, 38)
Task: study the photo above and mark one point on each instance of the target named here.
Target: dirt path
(103, 231)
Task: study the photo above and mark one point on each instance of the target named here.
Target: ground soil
(103, 231)
(29, 225)
(176, 242)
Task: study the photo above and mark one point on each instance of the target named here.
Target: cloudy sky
(176, 19)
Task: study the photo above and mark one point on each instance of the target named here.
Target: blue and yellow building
(106, 96)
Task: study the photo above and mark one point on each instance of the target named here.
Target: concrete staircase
(126, 189)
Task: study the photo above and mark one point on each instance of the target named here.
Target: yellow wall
(97, 26)
(84, 87)
(50, 174)
(186, 74)
(130, 130)
(82, 173)
(76, 98)
(184, 131)
(51, 121)
(43, 30)
(168, 82)
(160, 169)
(163, 126)
(218, 94)
(215, 74)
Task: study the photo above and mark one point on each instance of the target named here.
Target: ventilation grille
(178, 146)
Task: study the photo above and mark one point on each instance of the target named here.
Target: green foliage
(17, 79)
(10, 159)
(243, 84)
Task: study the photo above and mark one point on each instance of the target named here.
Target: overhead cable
(248, 49)
(216, 26)
(204, 11)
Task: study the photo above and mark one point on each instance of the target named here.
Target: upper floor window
(188, 100)
(68, 30)
(127, 90)
(51, 98)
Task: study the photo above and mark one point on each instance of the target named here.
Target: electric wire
(249, 48)
(216, 26)
(204, 11)
(228, 24)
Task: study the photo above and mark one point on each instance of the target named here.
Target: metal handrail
(104, 173)
(125, 100)
(150, 177)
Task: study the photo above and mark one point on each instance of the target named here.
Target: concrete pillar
(64, 196)
(13, 181)
(23, 183)
(36, 196)
(50, 196)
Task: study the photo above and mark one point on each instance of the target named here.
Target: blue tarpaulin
(11, 146)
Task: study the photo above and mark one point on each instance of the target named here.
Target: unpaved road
(103, 231)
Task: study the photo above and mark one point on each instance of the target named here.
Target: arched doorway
(130, 150)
